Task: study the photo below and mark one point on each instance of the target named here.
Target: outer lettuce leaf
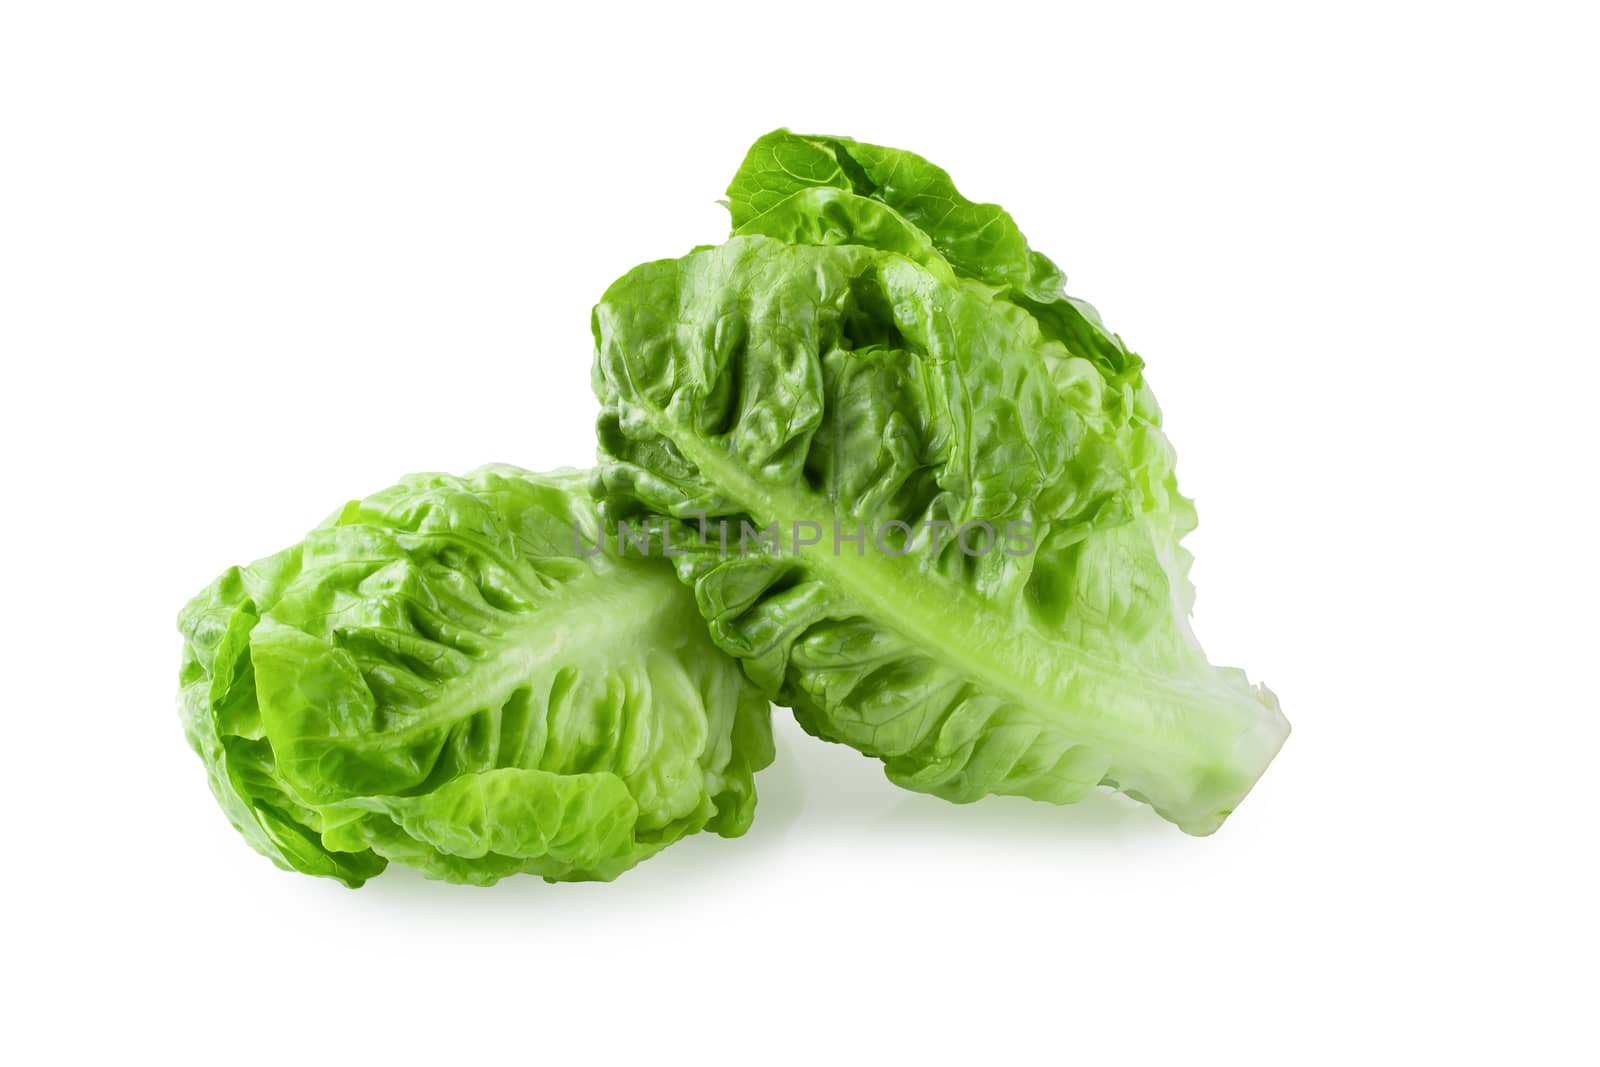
(436, 676)
(869, 347)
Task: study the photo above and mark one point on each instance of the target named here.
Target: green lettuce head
(447, 676)
(966, 558)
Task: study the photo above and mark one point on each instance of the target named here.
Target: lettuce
(877, 378)
(442, 675)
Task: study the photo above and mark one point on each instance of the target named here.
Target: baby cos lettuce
(871, 347)
(437, 677)
(445, 675)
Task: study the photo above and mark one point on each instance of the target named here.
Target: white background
(256, 260)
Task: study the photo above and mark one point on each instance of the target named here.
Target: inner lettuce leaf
(442, 675)
(832, 190)
(871, 351)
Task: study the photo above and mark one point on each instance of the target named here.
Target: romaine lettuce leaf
(438, 676)
(871, 348)
(832, 190)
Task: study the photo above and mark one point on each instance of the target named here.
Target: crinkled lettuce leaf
(832, 190)
(872, 348)
(442, 676)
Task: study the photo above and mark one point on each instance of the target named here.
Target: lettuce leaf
(437, 676)
(832, 190)
(872, 351)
